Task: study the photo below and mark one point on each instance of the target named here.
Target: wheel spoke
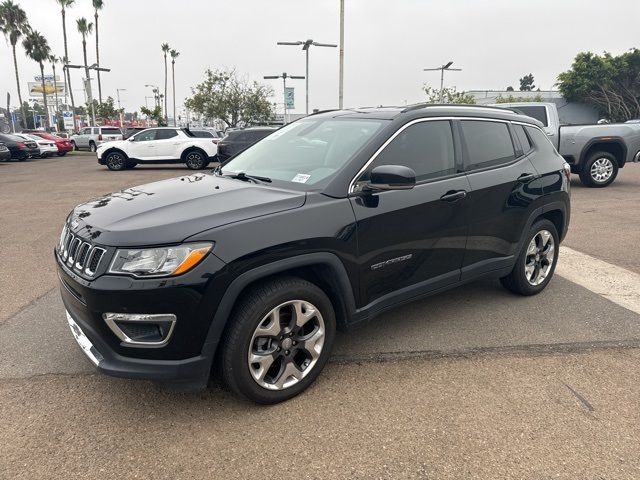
(313, 344)
(302, 317)
(264, 360)
(271, 329)
(289, 375)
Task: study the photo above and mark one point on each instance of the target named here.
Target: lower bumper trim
(85, 344)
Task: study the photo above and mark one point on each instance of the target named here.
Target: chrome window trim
(407, 125)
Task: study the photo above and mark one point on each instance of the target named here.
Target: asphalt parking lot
(473, 383)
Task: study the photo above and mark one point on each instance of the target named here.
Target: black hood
(171, 210)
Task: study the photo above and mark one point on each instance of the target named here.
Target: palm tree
(54, 60)
(14, 24)
(174, 54)
(67, 4)
(97, 5)
(86, 28)
(165, 48)
(38, 50)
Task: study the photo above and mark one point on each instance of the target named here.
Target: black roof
(431, 110)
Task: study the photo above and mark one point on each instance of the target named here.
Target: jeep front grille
(78, 254)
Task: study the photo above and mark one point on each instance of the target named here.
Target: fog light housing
(141, 329)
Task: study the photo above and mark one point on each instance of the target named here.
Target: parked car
(634, 120)
(127, 132)
(63, 145)
(595, 152)
(327, 223)
(20, 148)
(90, 138)
(47, 147)
(5, 154)
(235, 141)
(158, 145)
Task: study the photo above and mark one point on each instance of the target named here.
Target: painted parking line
(615, 283)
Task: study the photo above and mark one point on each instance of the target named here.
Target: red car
(63, 144)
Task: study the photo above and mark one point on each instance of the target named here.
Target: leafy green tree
(14, 25)
(609, 83)
(449, 95)
(64, 4)
(514, 99)
(509, 88)
(107, 110)
(228, 97)
(154, 114)
(38, 50)
(526, 83)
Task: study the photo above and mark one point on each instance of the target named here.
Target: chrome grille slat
(78, 254)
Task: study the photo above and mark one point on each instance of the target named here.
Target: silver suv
(90, 137)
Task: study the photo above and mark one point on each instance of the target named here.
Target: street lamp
(156, 92)
(284, 77)
(118, 90)
(306, 46)
(442, 69)
(87, 84)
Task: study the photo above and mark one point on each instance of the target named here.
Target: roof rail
(418, 106)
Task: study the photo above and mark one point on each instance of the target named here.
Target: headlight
(159, 262)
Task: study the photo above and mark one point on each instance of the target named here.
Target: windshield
(307, 151)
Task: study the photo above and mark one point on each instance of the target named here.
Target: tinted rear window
(539, 112)
(111, 131)
(202, 134)
(522, 137)
(488, 143)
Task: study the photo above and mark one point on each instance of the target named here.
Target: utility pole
(306, 46)
(284, 77)
(118, 90)
(442, 69)
(341, 81)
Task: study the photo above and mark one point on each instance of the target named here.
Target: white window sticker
(301, 178)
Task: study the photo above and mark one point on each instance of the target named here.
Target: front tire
(75, 147)
(600, 170)
(195, 160)
(537, 261)
(115, 161)
(278, 340)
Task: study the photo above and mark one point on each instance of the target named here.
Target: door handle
(453, 196)
(527, 177)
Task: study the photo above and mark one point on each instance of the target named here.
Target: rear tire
(278, 340)
(92, 147)
(195, 160)
(600, 170)
(62, 154)
(537, 260)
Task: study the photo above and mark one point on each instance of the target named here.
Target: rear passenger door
(166, 144)
(504, 186)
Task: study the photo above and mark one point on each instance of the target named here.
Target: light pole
(156, 91)
(306, 46)
(87, 84)
(442, 69)
(118, 90)
(341, 74)
(284, 77)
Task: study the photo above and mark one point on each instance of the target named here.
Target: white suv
(158, 145)
(92, 137)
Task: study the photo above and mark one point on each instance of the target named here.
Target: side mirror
(391, 177)
(131, 139)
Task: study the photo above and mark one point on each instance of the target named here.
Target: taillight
(21, 145)
(100, 137)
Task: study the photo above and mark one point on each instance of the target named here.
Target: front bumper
(184, 362)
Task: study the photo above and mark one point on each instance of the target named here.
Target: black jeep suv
(324, 224)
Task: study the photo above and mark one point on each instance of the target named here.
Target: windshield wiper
(245, 177)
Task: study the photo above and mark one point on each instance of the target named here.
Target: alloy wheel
(601, 170)
(286, 345)
(115, 161)
(540, 257)
(194, 161)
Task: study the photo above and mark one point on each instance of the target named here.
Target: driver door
(413, 241)
(142, 146)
